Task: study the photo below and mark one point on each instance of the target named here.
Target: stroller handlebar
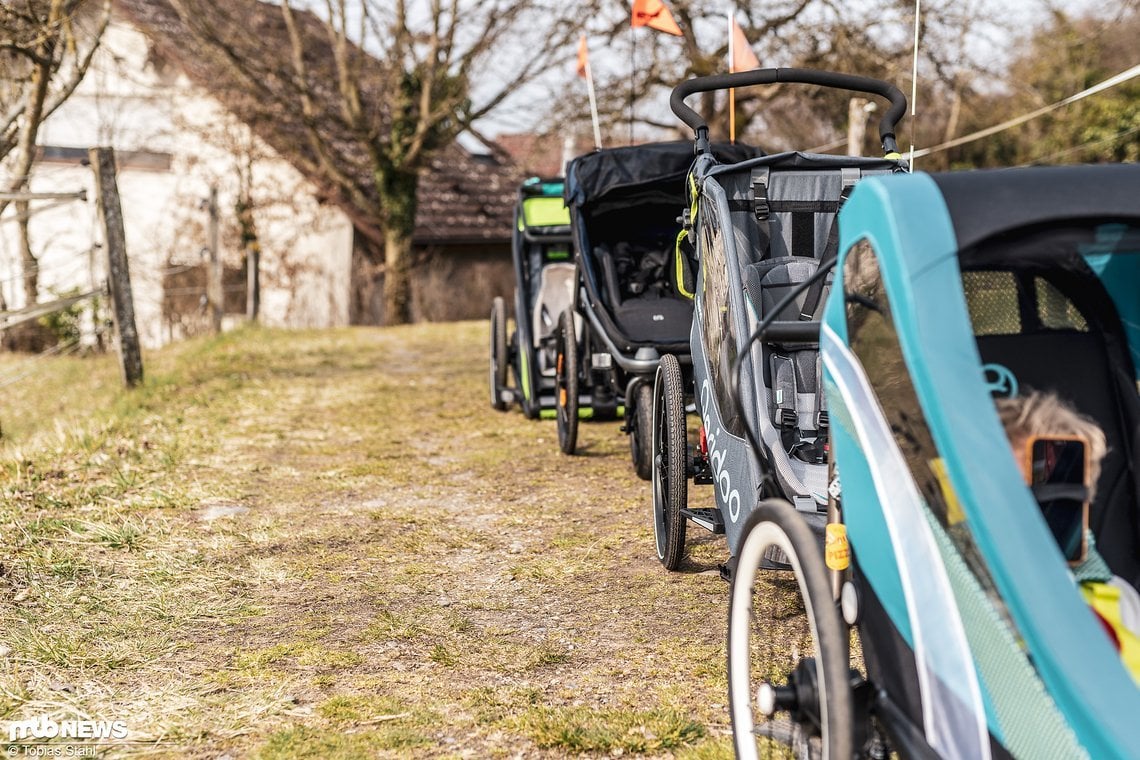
(853, 82)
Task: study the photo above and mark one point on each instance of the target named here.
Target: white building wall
(126, 103)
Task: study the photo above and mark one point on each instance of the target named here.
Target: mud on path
(327, 544)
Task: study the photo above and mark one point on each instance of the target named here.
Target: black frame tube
(832, 79)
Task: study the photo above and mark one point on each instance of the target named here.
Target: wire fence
(33, 363)
(9, 319)
(29, 364)
(69, 264)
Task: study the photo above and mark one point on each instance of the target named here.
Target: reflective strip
(953, 714)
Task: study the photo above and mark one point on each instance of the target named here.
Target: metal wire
(32, 363)
(38, 269)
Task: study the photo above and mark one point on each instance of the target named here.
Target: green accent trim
(558, 255)
(680, 266)
(584, 413)
(545, 212)
(524, 372)
(684, 233)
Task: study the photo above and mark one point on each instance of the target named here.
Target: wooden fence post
(215, 284)
(118, 273)
(253, 281)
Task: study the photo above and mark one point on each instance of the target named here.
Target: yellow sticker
(835, 550)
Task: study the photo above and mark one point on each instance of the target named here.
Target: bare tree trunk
(34, 106)
(398, 186)
(397, 277)
(29, 336)
(29, 265)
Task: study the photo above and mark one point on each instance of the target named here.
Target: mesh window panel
(991, 298)
(1055, 311)
(1030, 723)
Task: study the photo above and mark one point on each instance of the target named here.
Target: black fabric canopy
(987, 202)
(594, 175)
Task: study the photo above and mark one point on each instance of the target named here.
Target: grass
(588, 730)
(326, 544)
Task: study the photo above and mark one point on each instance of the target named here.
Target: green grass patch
(580, 729)
(352, 709)
(303, 742)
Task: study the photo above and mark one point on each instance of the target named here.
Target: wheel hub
(799, 696)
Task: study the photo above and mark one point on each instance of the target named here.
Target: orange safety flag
(655, 15)
(583, 57)
(743, 58)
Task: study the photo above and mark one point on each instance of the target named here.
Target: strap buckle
(760, 204)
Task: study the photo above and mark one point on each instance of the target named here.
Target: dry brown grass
(326, 544)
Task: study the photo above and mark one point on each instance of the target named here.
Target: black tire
(566, 383)
(668, 472)
(498, 380)
(763, 643)
(640, 425)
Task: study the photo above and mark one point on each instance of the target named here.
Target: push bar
(832, 79)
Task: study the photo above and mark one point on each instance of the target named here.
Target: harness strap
(821, 419)
(783, 391)
(850, 175)
(761, 208)
(803, 234)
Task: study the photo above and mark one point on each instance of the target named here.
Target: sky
(527, 109)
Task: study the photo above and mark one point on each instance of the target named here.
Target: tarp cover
(596, 174)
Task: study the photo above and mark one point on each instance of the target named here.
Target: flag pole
(587, 73)
(593, 106)
(914, 85)
(731, 90)
(632, 72)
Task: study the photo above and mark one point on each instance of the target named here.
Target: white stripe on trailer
(952, 710)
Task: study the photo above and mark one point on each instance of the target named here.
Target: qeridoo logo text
(728, 495)
(44, 727)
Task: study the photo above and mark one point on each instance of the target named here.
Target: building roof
(462, 198)
(539, 155)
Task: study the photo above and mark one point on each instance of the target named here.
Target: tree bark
(397, 278)
(29, 265)
(398, 186)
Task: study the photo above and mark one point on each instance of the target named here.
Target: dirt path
(328, 544)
